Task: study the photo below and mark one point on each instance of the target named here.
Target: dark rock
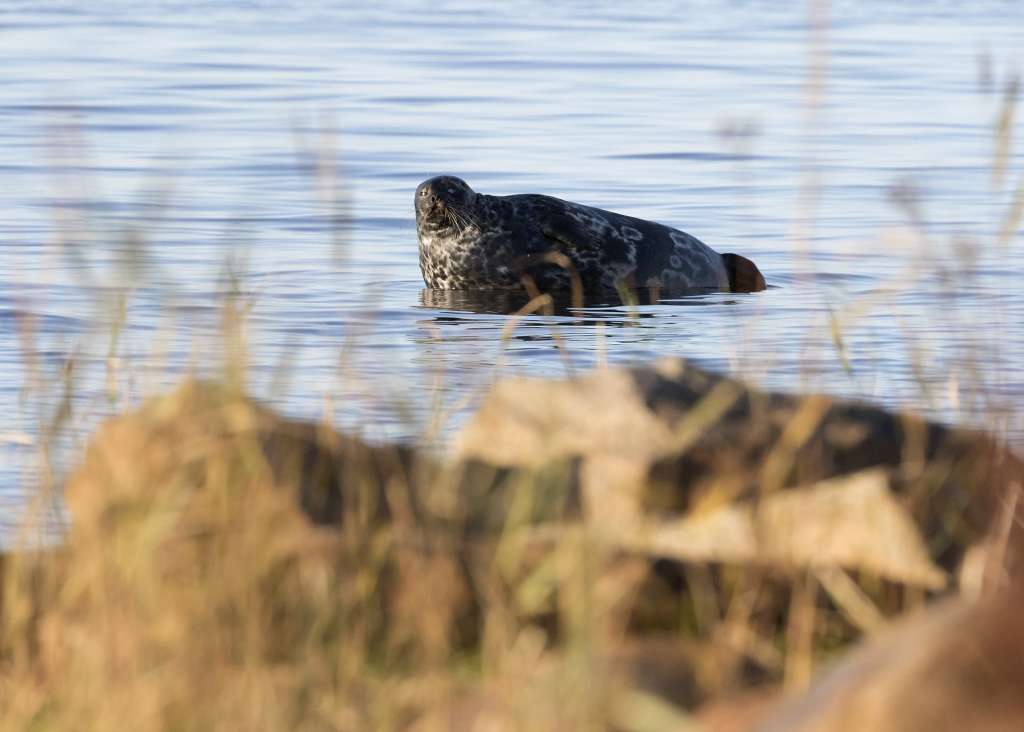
(673, 440)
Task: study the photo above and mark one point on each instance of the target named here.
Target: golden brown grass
(227, 568)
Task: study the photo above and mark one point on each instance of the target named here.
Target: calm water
(853, 164)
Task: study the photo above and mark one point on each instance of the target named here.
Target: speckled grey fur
(469, 240)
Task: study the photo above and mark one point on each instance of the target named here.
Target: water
(144, 145)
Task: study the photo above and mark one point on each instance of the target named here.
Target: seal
(472, 241)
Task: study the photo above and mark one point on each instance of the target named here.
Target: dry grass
(227, 568)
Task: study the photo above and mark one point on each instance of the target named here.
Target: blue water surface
(156, 157)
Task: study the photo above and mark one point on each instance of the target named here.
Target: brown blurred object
(205, 432)
(738, 713)
(957, 666)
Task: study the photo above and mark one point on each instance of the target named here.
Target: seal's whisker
(465, 217)
(470, 218)
(454, 220)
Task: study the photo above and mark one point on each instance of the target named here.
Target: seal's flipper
(559, 239)
(566, 235)
(744, 276)
(569, 235)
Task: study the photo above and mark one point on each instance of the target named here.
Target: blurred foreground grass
(565, 568)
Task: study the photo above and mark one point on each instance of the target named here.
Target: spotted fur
(472, 241)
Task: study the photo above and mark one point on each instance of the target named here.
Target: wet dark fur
(472, 241)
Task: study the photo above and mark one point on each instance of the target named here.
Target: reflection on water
(508, 302)
(498, 302)
(137, 164)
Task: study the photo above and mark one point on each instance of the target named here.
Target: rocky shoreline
(769, 531)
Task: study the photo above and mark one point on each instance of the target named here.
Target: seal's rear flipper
(744, 276)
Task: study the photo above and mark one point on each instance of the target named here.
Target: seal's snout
(434, 195)
(426, 198)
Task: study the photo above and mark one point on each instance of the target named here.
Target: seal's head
(442, 201)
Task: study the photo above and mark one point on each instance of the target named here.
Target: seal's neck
(456, 226)
(439, 227)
